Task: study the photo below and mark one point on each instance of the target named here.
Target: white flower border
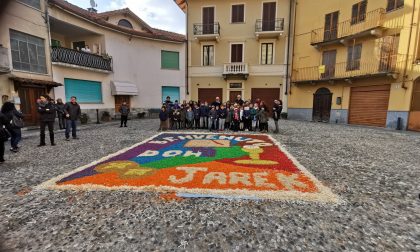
(325, 195)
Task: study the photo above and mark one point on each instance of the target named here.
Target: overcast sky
(161, 14)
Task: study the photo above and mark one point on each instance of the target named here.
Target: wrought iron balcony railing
(344, 70)
(84, 59)
(206, 29)
(366, 22)
(274, 25)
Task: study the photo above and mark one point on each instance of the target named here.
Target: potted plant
(106, 116)
(84, 118)
(283, 115)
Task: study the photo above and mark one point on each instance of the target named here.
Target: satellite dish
(93, 3)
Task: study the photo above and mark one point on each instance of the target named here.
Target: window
(238, 13)
(85, 91)
(33, 3)
(354, 53)
(236, 53)
(208, 55)
(394, 4)
(28, 52)
(235, 85)
(266, 53)
(125, 23)
(358, 12)
(169, 60)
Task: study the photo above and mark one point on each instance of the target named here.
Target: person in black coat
(72, 112)
(60, 113)
(47, 113)
(5, 127)
(278, 107)
(10, 111)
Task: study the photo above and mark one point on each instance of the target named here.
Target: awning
(36, 82)
(123, 88)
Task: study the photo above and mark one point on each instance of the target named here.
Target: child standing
(236, 118)
(222, 113)
(228, 117)
(246, 117)
(212, 118)
(263, 116)
(183, 114)
(189, 117)
(253, 113)
(203, 116)
(163, 116)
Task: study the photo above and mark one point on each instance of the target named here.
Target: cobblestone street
(374, 171)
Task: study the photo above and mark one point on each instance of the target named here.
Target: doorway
(233, 95)
(119, 99)
(331, 25)
(322, 105)
(208, 20)
(414, 117)
(28, 97)
(269, 16)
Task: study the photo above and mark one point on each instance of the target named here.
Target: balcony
(66, 56)
(206, 32)
(236, 70)
(390, 66)
(370, 24)
(269, 28)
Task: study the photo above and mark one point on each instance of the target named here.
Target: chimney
(93, 10)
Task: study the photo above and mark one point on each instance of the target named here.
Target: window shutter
(354, 13)
(390, 5)
(241, 13)
(349, 58)
(169, 60)
(85, 91)
(400, 3)
(362, 13)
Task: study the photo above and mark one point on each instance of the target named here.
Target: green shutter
(170, 60)
(85, 91)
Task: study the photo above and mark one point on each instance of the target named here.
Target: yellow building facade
(236, 47)
(356, 62)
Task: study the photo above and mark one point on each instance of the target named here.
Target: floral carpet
(243, 166)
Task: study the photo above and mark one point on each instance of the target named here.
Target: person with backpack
(16, 123)
(47, 113)
(73, 112)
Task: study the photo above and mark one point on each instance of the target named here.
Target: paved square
(246, 166)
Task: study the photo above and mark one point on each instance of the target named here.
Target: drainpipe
(289, 63)
(288, 48)
(187, 55)
(47, 22)
(408, 47)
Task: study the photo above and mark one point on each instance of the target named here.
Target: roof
(99, 19)
(126, 11)
(36, 82)
(183, 4)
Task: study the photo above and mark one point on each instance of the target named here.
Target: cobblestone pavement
(375, 171)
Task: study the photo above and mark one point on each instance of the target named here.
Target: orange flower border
(325, 195)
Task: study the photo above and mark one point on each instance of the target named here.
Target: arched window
(125, 23)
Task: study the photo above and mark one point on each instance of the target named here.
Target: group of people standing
(11, 121)
(238, 115)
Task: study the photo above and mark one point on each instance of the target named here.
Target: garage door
(268, 95)
(369, 105)
(210, 94)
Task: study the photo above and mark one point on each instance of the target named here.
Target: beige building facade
(356, 62)
(236, 48)
(103, 59)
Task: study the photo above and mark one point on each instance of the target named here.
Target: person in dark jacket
(203, 115)
(9, 110)
(213, 118)
(73, 112)
(60, 113)
(222, 114)
(125, 111)
(163, 116)
(47, 113)
(4, 126)
(278, 107)
(196, 116)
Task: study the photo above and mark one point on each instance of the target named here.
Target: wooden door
(209, 94)
(331, 26)
(414, 117)
(233, 95)
(369, 105)
(236, 53)
(389, 52)
(119, 99)
(268, 95)
(208, 20)
(28, 97)
(321, 110)
(329, 60)
(269, 16)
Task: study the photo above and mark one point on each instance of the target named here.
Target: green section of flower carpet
(221, 153)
